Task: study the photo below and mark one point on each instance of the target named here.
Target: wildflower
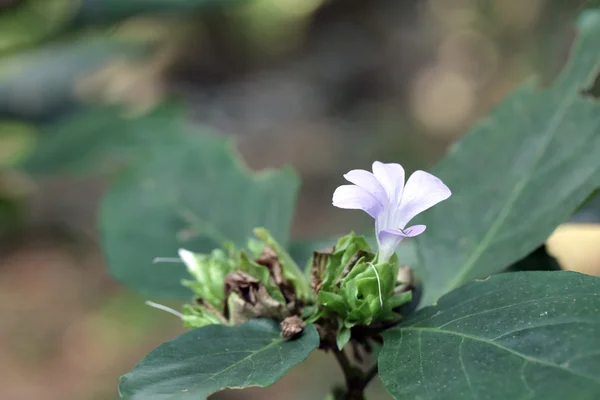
(384, 196)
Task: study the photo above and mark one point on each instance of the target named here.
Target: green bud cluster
(345, 285)
(353, 287)
(233, 285)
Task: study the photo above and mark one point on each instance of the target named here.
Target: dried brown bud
(291, 326)
(247, 298)
(270, 260)
(318, 268)
(212, 309)
(243, 284)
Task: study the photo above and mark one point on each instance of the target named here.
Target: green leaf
(209, 272)
(589, 212)
(345, 249)
(188, 190)
(17, 141)
(516, 175)
(592, 4)
(523, 335)
(197, 316)
(102, 11)
(13, 216)
(99, 140)
(42, 81)
(215, 357)
(333, 302)
(27, 22)
(302, 250)
(343, 336)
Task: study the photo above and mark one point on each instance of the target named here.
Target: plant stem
(356, 380)
(347, 368)
(368, 377)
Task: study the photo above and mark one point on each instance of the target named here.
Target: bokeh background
(323, 85)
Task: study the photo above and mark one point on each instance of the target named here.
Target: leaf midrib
(240, 361)
(469, 265)
(499, 346)
(520, 303)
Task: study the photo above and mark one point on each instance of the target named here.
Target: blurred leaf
(182, 188)
(103, 11)
(16, 142)
(189, 191)
(99, 140)
(39, 82)
(27, 22)
(215, 357)
(12, 215)
(302, 250)
(552, 34)
(527, 335)
(592, 4)
(515, 176)
(589, 212)
(537, 260)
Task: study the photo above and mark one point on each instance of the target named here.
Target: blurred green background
(323, 85)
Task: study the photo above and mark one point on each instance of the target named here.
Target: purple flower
(384, 196)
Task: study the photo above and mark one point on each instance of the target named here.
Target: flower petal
(412, 231)
(367, 181)
(422, 191)
(356, 198)
(389, 239)
(391, 177)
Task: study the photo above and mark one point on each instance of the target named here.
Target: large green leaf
(182, 187)
(516, 175)
(209, 359)
(191, 191)
(522, 335)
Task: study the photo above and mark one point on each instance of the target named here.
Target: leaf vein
(547, 325)
(462, 363)
(518, 188)
(507, 349)
(562, 297)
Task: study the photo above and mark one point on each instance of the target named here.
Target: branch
(356, 380)
(368, 377)
(349, 371)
